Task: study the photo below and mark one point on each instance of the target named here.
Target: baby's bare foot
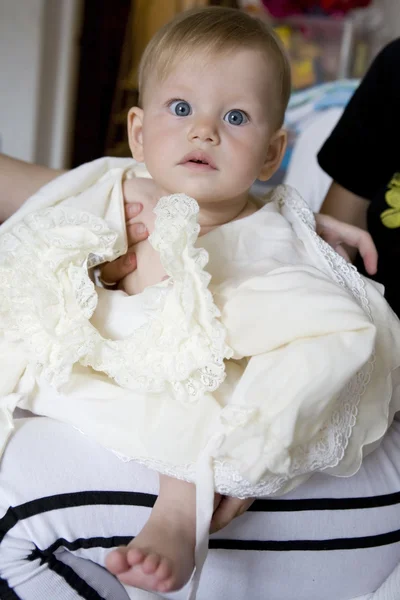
(159, 559)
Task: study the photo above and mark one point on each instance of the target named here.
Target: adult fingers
(361, 240)
(227, 510)
(112, 272)
(336, 232)
(132, 209)
(136, 232)
(369, 253)
(341, 250)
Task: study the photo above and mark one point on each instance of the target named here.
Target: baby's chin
(202, 190)
(202, 194)
(205, 188)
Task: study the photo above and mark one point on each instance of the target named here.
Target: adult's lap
(62, 495)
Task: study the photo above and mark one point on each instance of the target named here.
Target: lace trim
(50, 298)
(327, 449)
(38, 257)
(182, 345)
(344, 273)
(228, 481)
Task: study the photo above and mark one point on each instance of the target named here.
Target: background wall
(38, 49)
(392, 14)
(20, 56)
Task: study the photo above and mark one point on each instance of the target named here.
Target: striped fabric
(64, 502)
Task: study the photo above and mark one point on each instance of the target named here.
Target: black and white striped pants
(65, 501)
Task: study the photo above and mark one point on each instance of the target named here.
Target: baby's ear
(135, 137)
(275, 154)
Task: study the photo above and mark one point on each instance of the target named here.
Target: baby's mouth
(198, 160)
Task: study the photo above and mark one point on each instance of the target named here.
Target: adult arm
(345, 206)
(18, 181)
(342, 223)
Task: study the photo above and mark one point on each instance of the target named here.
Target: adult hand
(336, 233)
(227, 510)
(135, 190)
(116, 270)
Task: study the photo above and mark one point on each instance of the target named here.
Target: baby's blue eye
(236, 117)
(180, 108)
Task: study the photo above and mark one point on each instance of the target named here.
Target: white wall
(38, 64)
(21, 23)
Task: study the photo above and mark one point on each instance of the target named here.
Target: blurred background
(68, 68)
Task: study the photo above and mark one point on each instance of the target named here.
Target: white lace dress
(282, 365)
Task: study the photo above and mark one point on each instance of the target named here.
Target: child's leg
(161, 557)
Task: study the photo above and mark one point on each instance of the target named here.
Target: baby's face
(206, 127)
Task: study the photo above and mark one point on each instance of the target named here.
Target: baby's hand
(227, 510)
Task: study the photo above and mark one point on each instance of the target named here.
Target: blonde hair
(215, 30)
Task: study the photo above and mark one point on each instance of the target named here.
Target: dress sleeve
(304, 338)
(359, 152)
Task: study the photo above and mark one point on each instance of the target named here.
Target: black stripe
(355, 543)
(6, 593)
(60, 501)
(82, 543)
(281, 505)
(73, 579)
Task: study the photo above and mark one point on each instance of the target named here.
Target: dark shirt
(363, 155)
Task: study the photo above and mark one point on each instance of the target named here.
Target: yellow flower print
(391, 216)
